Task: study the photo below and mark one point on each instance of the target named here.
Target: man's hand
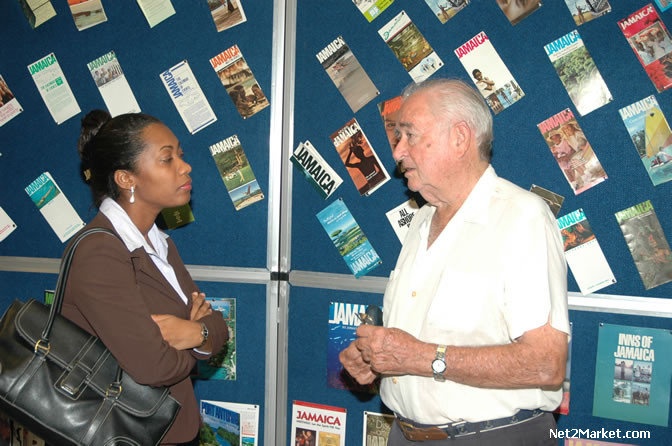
(179, 333)
(351, 358)
(391, 351)
(199, 306)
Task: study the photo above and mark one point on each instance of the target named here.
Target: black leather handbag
(63, 384)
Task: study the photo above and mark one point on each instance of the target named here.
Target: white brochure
(54, 88)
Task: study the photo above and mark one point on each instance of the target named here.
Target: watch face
(438, 366)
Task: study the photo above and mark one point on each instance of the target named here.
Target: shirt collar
(130, 234)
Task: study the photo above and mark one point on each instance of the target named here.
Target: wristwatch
(439, 363)
(204, 334)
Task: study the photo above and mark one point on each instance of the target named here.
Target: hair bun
(91, 124)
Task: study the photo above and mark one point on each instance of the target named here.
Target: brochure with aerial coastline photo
(372, 8)
(651, 41)
(112, 85)
(239, 82)
(54, 88)
(236, 172)
(647, 243)
(348, 238)
(317, 424)
(651, 135)
(633, 371)
(9, 105)
(315, 169)
(365, 168)
(578, 73)
(221, 365)
(87, 13)
(445, 10)
(572, 151)
(488, 72)
(212, 431)
(583, 11)
(410, 47)
(347, 74)
(226, 14)
(156, 11)
(376, 428)
(583, 253)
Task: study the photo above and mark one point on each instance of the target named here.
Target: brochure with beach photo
(230, 424)
(156, 11)
(647, 243)
(651, 41)
(578, 73)
(572, 151)
(445, 10)
(226, 14)
(410, 47)
(583, 253)
(362, 162)
(112, 85)
(372, 8)
(236, 172)
(9, 105)
(239, 82)
(54, 88)
(347, 74)
(651, 135)
(87, 13)
(583, 11)
(489, 73)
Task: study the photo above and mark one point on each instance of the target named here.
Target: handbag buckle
(113, 391)
(42, 348)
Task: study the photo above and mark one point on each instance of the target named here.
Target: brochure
(488, 72)
(248, 414)
(516, 11)
(632, 382)
(365, 168)
(445, 10)
(236, 172)
(9, 105)
(664, 4)
(87, 13)
(37, 11)
(583, 253)
(318, 424)
(389, 113)
(221, 365)
(572, 151)
(553, 200)
(315, 169)
(221, 426)
(347, 74)
(647, 243)
(54, 88)
(578, 73)
(156, 11)
(651, 135)
(372, 8)
(583, 11)
(177, 216)
(226, 14)
(239, 82)
(188, 97)
(376, 428)
(650, 40)
(54, 206)
(112, 84)
(7, 225)
(348, 238)
(401, 216)
(410, 47)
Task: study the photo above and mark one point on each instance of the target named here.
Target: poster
(112, 85)
(632, 382)
(9, 105)
(54, 88)
(376, 428)
(317, 424)
(221, 425)
(249, 423)
(315, 169)
(221, 365)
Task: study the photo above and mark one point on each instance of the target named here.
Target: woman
(135, 294)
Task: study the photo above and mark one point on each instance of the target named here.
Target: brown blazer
(112, 292)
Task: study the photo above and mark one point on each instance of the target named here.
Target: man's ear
(461, 136)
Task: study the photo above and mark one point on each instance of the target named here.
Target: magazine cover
(572, 151)
(221, 365)
(389, 113)
(315, 169)
(112, 85)
(365, 168)
(177, 216)
(221, 426)
(54, 88)
(401, 216)
(188, 97)
(343, 322)
(156, 11)
(445, 10)
(578, 73)
(37, 11)
(632, 382)
(664, 4)
(372, 8)
(488, 72)
(584, 11)
(226, 13)
(54, 206)
(9, 105)
(563, 408)
(7, 225)
(583, 253)
(650, 40)
(376, 428)
(87, 13)
(647, 243)
(348, 238)
(240, 83)
(347, 74)
(236, 172)
(318, 424)
(553, 200)
(651, 135)
(516, 11)
(410, 47)
(249, 424)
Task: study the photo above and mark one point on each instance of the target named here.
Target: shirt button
(394, 380)
(414, 294)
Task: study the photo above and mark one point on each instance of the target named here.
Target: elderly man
(474, 342)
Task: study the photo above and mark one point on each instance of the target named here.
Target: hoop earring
(132, 199)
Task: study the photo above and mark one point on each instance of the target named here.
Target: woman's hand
(179, 333)
(199, 306)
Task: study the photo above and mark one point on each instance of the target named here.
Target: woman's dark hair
(108, 144)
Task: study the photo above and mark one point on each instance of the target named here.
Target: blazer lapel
(147, 273)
